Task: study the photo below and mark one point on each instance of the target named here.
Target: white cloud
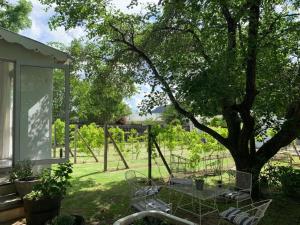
(40, 30)
(122, 5)
(136, 100)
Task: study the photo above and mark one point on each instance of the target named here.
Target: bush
(21, 171)
(290, 181)
(58, 131)
(285, 177)
(93, 135)
(53, 183)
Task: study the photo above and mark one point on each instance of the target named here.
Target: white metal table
(202, 196)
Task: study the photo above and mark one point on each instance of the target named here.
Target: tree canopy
(96, 94)
(239, 59)
(15, 17)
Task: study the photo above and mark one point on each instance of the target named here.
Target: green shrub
(22, 170)
(58, 131)
(290, 181)
(285, 177)
(92, 135)
(53, 183)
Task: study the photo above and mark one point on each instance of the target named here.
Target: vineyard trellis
(129, 145)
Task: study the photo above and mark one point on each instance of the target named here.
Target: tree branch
(288, 133)
(251, 91)
(231, 25)
(168, 90)
(195, 36)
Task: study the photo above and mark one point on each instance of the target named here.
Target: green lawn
(103, 197)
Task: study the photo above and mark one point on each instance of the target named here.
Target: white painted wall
(36, 113)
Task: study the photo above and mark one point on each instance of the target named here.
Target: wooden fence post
(118, 151)
(75, 144)
(162, 156)
(105, 146)
(149, 153)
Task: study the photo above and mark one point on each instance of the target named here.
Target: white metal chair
(143, 196)
(139, 184)
(247, 215)
(239, 186)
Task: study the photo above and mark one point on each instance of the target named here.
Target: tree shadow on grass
(98, 204)
(102, 204)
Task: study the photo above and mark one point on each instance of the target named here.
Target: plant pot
(199, 184)
(25, 186)
(37, 212)
(79, 220)
(219, 183)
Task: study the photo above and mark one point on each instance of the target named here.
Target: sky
(41, 32)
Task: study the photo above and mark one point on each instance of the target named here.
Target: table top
(207, 193)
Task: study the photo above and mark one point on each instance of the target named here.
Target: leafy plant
(290, 181)
(58, 132)
(285, 177)
(53, 183)
(270, 176)
(21, 171)
(93, 135)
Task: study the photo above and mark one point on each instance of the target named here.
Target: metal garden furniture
(239, 186)
(247, 215)
(171, 219)
(142, 196)
(205, 199)
(136, 181)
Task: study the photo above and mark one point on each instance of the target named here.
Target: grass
(102, 197)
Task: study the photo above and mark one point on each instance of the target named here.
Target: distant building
(156, 115)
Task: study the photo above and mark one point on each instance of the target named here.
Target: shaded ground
(103, 197)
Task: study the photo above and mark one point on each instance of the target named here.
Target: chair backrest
(242, 180)
(132, 180)
(261, 208)
(130, 175)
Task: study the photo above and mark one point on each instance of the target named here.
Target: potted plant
(199, 182)
(219, 183)
(23, 178)
(67, 220)
(43, 203)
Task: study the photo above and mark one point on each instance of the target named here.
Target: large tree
(239, 59)
(96, 94)
(15, 17)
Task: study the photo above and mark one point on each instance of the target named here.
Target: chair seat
(230, 214)
(237, 217)
(147, 191)
(236, 195)
(152, 204)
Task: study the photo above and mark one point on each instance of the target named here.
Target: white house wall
(15, 52)
(33, 109)
(36, 113)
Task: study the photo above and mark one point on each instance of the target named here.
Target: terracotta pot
(25, 186)
(38, 212)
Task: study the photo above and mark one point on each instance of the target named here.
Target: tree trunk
(250, 165)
